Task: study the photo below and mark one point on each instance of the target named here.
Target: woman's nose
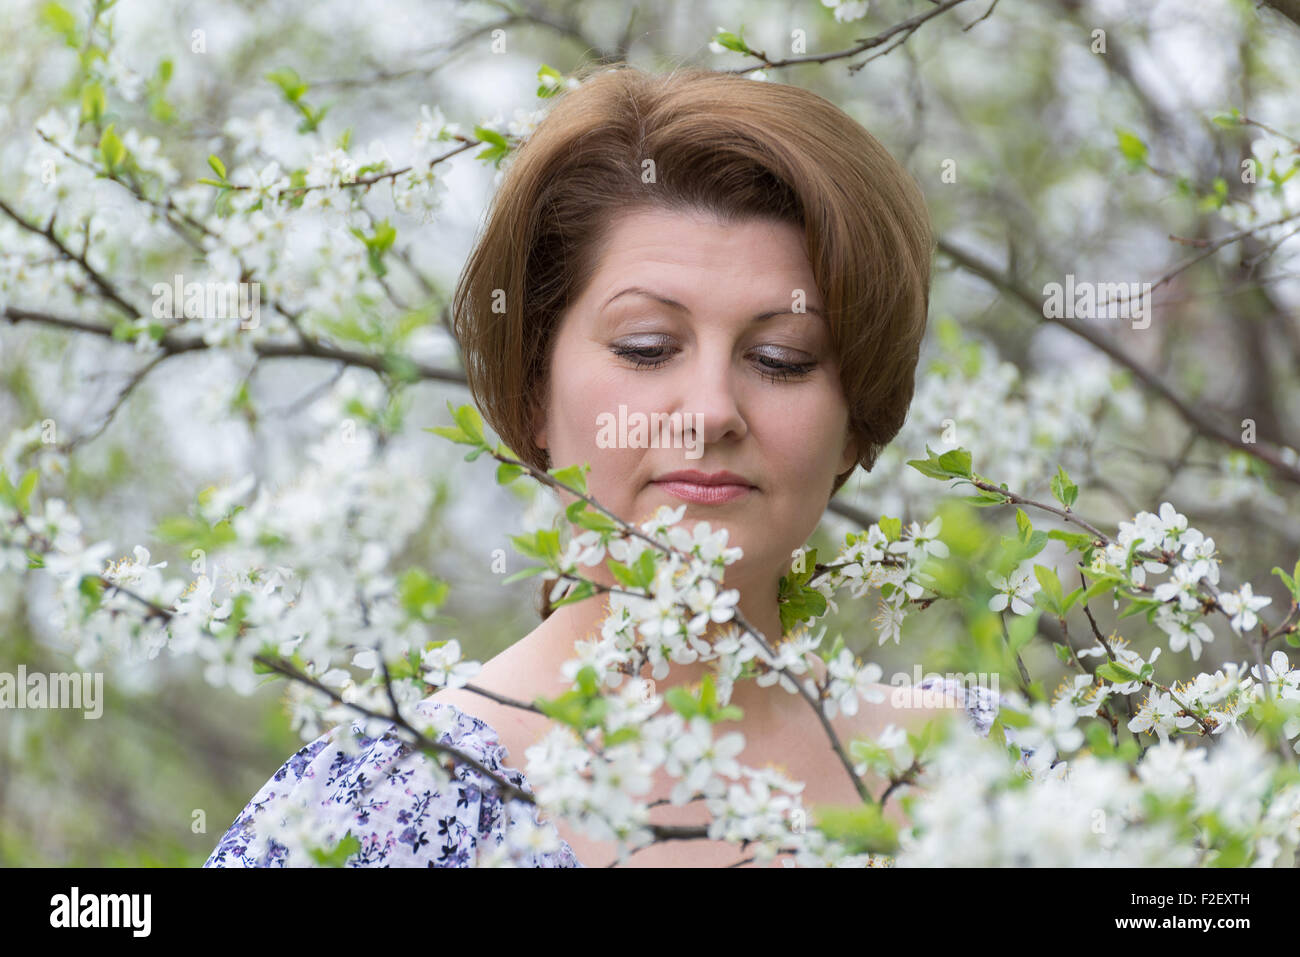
(710, 404)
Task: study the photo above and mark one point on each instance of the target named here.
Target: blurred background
(1110, 142)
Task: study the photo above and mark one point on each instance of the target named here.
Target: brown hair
(720, 143)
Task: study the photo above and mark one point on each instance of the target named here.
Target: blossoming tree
(272, 241)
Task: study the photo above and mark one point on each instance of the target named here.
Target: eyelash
(784, 373)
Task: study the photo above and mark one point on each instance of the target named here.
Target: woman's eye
(781, 371)
(653, 356)
(647, 357)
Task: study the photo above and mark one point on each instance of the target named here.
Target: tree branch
(1265, 452)
(1287, 8)
(104, 286)
(905, 27)
(172, 345)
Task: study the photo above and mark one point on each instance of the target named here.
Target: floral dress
(388, 797)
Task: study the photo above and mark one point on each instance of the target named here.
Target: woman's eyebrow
(673, 303)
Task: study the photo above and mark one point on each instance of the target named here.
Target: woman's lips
(705, 494)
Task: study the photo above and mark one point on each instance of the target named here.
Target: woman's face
(685, 315)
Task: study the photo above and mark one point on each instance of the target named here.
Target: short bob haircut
(722, 144)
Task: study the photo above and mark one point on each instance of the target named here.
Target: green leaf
(928, 468)
(57, 18)
(336, 857)
(1098, 738)
(267, 651)
(986, 499)
(420, 594)
(622, 735)
(1070, 599)
(956, 462)
(861, 828)
(469, 430)
(27, 485)
(892, 527)
(1051, 588)
(809, 568)
(218, 167)
(1229, 120)
(311, 119)
(1218, 196)
(708, 694)
(1132, 148)
(1290, 580)
(625, 576)
(1138, 606)
(526, 573)
(682, 701)
(448, 432)
(507, 473)
(592, 521)
(797, 602)
(1114, 671)
(93, 102)
(920, 741)
(1037, 542)
(549, 81)
(111, 149)
(384, 237)
(191, 533)
(645, 567)
(490, 136)
(1021, 630)
(543, 544)
(124, 330)
(159, 108)
(583, 590)
(1074, 540)
(470, 422)
(377, 244)
(287, 79)
(92, 592)
(1065, 491)
(639, 575)
(731, 41)
(1099, 586)
(498, 148)
(571, 475)
(1027, 543)
(1013, 719)
(1024, 525)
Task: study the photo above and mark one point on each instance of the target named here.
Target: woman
(741, 257)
